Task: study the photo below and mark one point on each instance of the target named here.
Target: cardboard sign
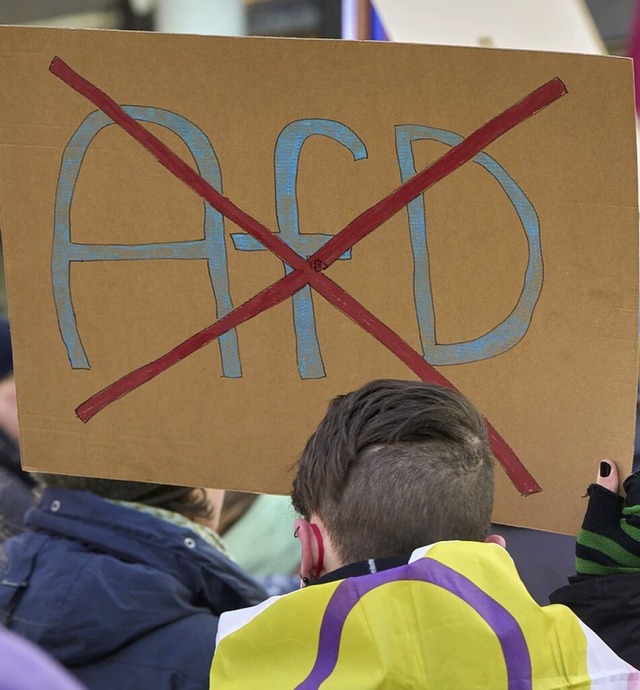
(526, 24)
(162, 338)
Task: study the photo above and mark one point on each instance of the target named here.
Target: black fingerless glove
(609, 541)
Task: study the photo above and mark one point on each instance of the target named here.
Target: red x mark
(309, 271)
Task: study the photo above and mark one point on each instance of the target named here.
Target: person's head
(199, 505)
(394, 466)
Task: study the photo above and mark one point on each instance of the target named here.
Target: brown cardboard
(562, 397)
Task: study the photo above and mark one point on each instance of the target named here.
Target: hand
(609, 541)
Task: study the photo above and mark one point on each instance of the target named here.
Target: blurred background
(613, 24)
(302, 18)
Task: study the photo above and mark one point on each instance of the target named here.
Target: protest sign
(164, 338)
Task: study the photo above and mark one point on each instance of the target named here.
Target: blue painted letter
(508, 333)
(287, 158)
(211, 247)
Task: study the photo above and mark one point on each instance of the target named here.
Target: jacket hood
(101, 575)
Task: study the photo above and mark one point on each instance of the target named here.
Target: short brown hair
(394, 466)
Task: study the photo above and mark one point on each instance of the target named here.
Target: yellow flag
(456, 616)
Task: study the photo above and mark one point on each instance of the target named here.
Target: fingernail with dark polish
(605, 469)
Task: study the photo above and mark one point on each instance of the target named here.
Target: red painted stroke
(175, 165)
(274, 294)
(453, 159)
(303, 272)
(342, 300)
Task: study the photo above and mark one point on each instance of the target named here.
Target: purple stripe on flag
(350, 591)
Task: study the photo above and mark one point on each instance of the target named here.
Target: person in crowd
(605, 591)
(16, 486)
(122, 582)
(25, 667)
(257, 529)
(403, 586)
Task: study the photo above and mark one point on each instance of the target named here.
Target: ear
(310, 558)
(496, 539)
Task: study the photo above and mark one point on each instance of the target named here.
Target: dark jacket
(16, 488)
(122, 598)
(610, 606)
